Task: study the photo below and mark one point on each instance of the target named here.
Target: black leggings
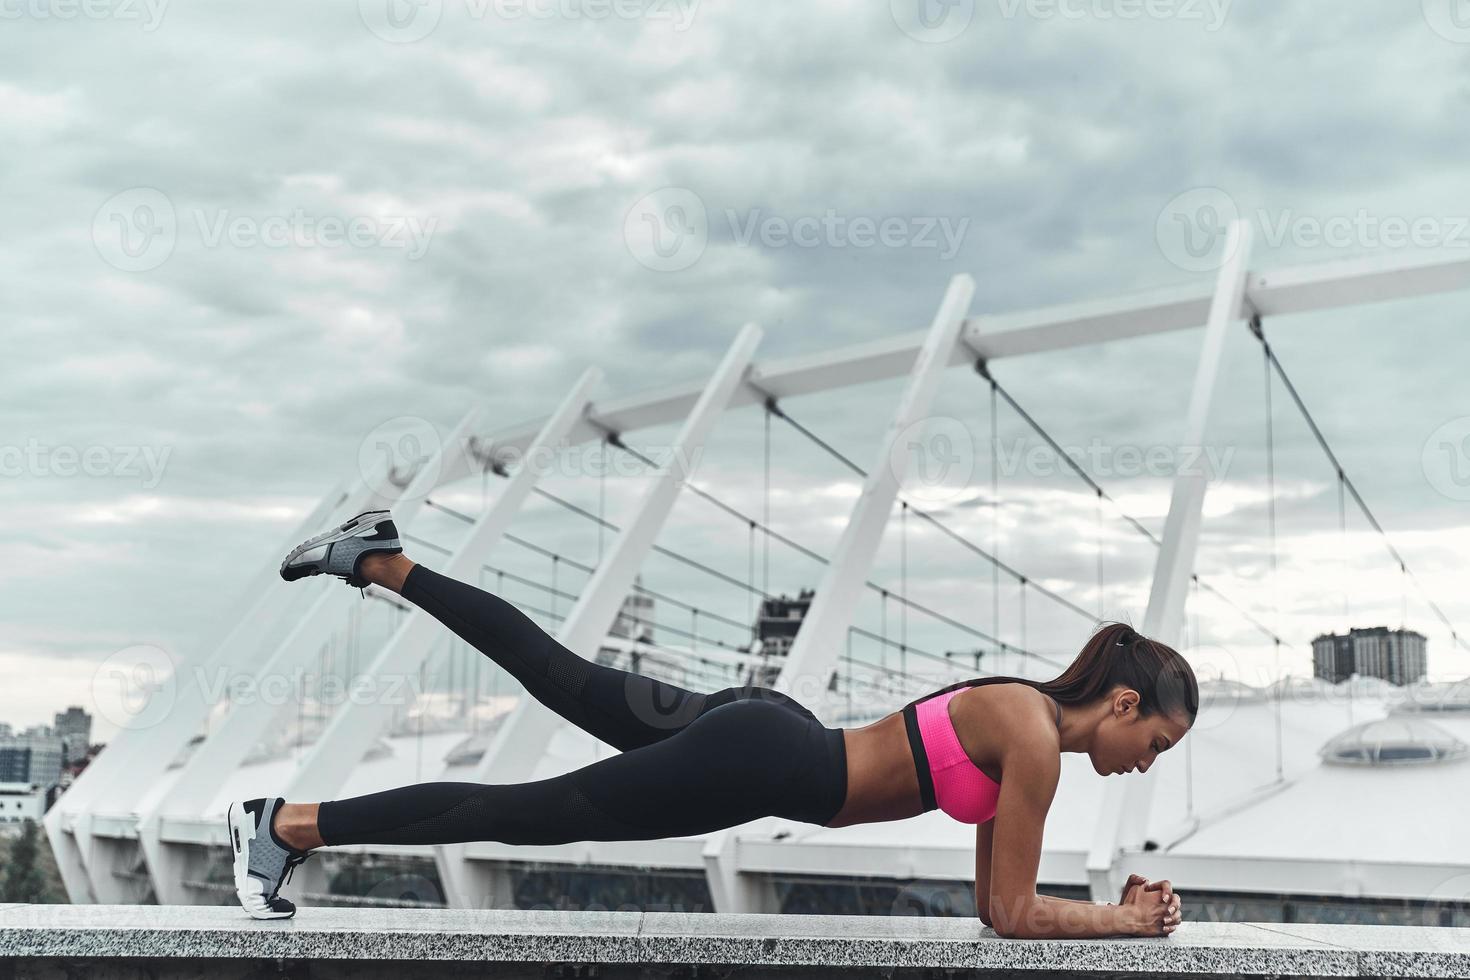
(688, 763)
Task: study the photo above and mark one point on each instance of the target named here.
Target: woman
(690, 763)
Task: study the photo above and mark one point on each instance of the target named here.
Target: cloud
(519, 146)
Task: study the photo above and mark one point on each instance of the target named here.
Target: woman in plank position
(986, 751)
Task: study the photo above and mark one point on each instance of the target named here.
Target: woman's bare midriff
(882, 783)
(882, 780)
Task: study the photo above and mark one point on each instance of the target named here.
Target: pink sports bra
(948, 780)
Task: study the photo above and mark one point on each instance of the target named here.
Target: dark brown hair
(1118, 655)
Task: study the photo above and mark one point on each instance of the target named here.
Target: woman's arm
(984, 838)
(1032, 769)
(1066, 918)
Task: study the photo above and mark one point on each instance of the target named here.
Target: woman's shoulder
(1012, 717)
(1011, 694)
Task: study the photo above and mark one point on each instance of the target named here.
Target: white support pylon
(111, 782)
(813, 654)
(325, 766)
(515, 749)
(730, 890)
(112, 762)
(242, 728)
(1123, 821)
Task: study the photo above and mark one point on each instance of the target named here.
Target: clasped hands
(1155, 906)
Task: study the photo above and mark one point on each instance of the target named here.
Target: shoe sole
(370, 518)
(241, 828)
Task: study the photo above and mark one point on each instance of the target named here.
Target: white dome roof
(1403, 740)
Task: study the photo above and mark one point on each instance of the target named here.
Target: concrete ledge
(36, 940)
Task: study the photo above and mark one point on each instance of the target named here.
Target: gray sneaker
(263, 862)
(338, 551)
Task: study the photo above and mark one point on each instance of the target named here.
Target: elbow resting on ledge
(1031, 917)
(1044, 917)
(1008, 918)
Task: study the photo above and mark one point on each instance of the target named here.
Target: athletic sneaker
(262, 860)
(339, 551)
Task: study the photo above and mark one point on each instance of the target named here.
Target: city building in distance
(1397, 656)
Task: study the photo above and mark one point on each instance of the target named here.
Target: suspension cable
(926, 516)
(1352, 488)
(902, 599)
(579, 566)
(984, 370)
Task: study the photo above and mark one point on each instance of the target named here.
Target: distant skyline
(243, 238)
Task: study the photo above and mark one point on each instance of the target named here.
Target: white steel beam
(813, 654)
(517, 746)
(1123, 820)
(1296, 289)
(113, 761)
(242, 728)
(731, 890)
(112, 781)
(353, 727)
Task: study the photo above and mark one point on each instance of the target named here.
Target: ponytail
(1116, 655)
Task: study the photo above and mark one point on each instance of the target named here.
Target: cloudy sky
(240, 239)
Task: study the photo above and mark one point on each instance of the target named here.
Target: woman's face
(1126, 741)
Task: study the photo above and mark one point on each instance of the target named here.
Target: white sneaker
(339, 550)
(263, 862)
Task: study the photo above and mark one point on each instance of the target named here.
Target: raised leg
(623, 709)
